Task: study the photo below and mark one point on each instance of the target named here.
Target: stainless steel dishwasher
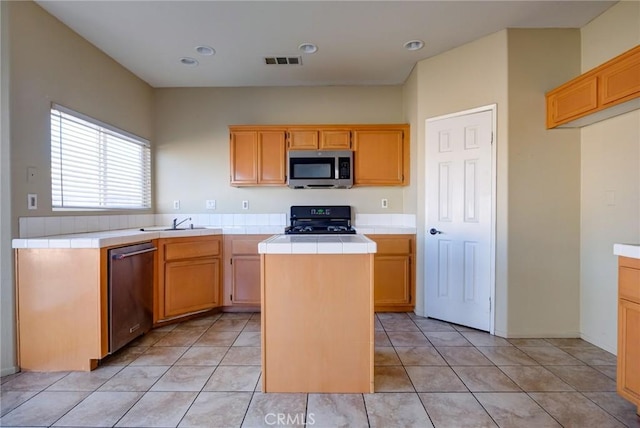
(130, 293)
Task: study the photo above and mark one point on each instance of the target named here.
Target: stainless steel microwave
(318, 169)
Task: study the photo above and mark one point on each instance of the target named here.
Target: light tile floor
(206, 373)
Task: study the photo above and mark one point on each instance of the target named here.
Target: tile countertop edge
(129, 236)
(107, 238)
(317, 244)
(627, 250)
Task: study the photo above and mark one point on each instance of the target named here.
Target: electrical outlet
(245, 205)
(211, 204)
(385, 203)
(32, 201)
(176, 204)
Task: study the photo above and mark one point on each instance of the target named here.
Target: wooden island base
(317, 323)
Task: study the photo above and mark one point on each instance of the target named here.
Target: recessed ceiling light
(414, 45)
(189, 61)
(308, 48)
(205, 50)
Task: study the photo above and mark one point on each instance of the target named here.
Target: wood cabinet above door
(610, 89)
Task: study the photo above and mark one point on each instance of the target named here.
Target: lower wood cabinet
(628, 375)
(189, 273)
(394, 273)
(62, 308)
(242, 271)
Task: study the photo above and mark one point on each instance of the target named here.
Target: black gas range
(320, 220)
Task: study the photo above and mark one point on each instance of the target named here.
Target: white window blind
(96, 166)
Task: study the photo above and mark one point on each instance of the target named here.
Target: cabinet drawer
(393, 245)
(629, 283)
(191, 249)
(241, 246)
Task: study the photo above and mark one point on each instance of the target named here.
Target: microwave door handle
(336, 169)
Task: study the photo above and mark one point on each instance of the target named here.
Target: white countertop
(627, 250)
(317, 244)
(110, 238)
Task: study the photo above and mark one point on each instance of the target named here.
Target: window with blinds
(97, 166)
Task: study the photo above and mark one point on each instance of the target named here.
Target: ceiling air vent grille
(283, 60)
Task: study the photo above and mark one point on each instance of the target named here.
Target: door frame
(494, 143)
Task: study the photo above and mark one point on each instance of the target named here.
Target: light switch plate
(176, 204)
(210, 204)
(385, 203)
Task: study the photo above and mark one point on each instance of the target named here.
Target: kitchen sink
(166, 229)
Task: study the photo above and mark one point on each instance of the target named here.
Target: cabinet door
(303, 139)
(244, 157)
(572, 100)
(621, 80)
(379, 157)
(245, 280)
(191, 285)
(335, 139)
(271, 157)
(392, 284)
(629, 350)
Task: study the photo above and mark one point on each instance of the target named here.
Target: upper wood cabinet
(325, 138)
(620, 80)
(381, 156)
(615, 82)
(259, 152)
(258, 157)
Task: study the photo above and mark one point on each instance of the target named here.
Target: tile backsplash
(393, 220)
(32, 227)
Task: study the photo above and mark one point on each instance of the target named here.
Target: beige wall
(544, 188)
(412, 200)
(537, 273)
(192, 144)
(50, 63)
(470, 76)
(7, 312)
(610, 164)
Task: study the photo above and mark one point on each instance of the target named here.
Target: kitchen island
(317, 313)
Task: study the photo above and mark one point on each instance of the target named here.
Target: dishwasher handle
(134, 253)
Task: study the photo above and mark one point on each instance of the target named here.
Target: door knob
(434, 231)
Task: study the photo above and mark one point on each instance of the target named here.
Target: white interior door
(459, 220)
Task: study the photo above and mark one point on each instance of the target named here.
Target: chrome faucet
(176, 224)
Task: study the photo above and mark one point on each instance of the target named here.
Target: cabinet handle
(135, 253)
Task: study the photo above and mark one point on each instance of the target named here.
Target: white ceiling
(359, 42)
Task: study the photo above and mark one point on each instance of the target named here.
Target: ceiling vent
(283, 60)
